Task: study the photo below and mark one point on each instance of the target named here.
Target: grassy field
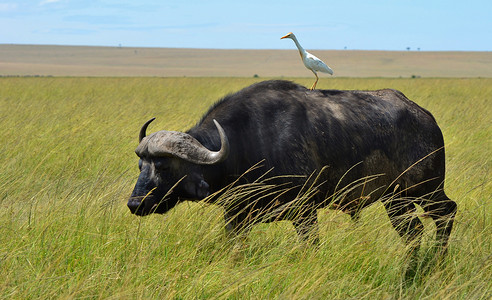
(68, 167)
(165, 62)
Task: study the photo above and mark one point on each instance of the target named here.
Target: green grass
(67, 168)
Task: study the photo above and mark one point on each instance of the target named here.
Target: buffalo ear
(202, 190)
(196, 187)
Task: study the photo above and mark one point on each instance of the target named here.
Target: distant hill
(33, 60)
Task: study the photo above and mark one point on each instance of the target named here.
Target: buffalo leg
(442, 210)
(231, 225)
(307, 227)
(355, 215)
(235, 226)
(408, 226)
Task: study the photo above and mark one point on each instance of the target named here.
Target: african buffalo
(341, 149)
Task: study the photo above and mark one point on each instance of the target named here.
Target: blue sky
(431, 25)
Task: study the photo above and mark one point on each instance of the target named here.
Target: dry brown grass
(32, 60)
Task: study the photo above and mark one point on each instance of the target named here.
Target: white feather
(310, 61)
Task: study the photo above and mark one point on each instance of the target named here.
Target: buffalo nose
(135, 205)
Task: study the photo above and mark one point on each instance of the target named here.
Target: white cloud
(6, 7)
(43, 2)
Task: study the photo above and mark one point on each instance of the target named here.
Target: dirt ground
(34, 60)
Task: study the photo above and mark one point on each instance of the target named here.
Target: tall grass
(67, 168)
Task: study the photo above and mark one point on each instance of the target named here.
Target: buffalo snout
(136, 206)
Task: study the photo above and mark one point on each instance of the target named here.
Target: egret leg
(314, 84)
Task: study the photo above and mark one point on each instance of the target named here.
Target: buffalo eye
(140, 163)
(161, 164)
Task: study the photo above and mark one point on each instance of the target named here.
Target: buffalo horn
(143, 130)
(197, 153)
(215, 157)
(184, 146)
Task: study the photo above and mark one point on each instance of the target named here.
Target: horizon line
(240, 49)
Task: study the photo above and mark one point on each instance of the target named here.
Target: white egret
(310, 61)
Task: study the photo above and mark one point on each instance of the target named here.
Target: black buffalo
(341, 149)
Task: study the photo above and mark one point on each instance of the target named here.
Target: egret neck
(302, 52)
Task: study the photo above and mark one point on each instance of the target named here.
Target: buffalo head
(171, 166)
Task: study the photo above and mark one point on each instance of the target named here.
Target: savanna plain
(68, 166)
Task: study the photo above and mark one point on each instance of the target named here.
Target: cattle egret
(310, 61)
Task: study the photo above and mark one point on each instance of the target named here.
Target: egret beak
(286, 36)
